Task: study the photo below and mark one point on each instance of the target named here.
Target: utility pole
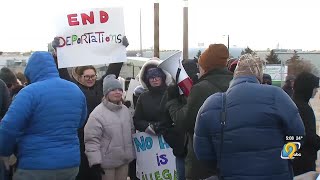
(185, 31)
(156, 49)
(228, 41)
(140, 36)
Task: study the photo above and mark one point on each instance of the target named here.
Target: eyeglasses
(87, 77)
(155, 78)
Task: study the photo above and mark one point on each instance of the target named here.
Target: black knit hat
(267, 79)
(8, 76)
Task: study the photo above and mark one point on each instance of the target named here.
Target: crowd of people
(57, 125)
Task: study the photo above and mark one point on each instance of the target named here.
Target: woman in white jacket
(108, 134)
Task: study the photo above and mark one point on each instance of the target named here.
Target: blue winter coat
(43, 119)
(258, 119)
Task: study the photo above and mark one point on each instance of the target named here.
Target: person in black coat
(4, 99)
(147, 115)
(174, 136)
(305, 87)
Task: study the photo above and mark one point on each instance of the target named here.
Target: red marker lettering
(104, 17)
(87, 18)
(72, 20)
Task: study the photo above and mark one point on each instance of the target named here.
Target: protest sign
(91, 37)
(155, 159)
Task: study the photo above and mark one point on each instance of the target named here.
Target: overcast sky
(259, 24)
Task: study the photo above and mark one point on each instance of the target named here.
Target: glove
(127, 104)
(55, 43)
(97, 172)
(125, 41)
(150, 130)
(173, 92)
(159, 128)
(156, 127)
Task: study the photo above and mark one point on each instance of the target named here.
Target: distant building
(17, 61)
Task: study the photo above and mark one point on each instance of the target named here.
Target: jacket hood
(152, 63)
(41, 66)
(304, 85)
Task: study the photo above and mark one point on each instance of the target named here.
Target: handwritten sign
(91, 37)
(155, 159)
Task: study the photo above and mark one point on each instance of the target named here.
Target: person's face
(315, 90)
(115, 96)
(155, 81)
(88, 78)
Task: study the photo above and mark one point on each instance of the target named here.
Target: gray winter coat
(108, 136)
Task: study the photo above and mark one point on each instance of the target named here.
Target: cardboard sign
(91, 37)
(155, 159)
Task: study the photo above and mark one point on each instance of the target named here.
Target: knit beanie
(215, 56)
(267, 79)
(110, 83)
(8, 76)
(155, 72)
(249, 65)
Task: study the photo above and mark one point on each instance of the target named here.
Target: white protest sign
(155, 159)
(91, 37)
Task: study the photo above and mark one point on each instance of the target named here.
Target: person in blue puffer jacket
(41, 123)
(258, 117)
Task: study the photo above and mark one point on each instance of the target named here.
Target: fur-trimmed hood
(74, 75)
(152, 62)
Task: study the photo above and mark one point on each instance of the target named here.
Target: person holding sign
(108, 135)
(148, 112)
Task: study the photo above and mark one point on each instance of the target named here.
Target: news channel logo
(289, 150)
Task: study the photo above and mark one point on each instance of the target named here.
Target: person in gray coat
(108, 134)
